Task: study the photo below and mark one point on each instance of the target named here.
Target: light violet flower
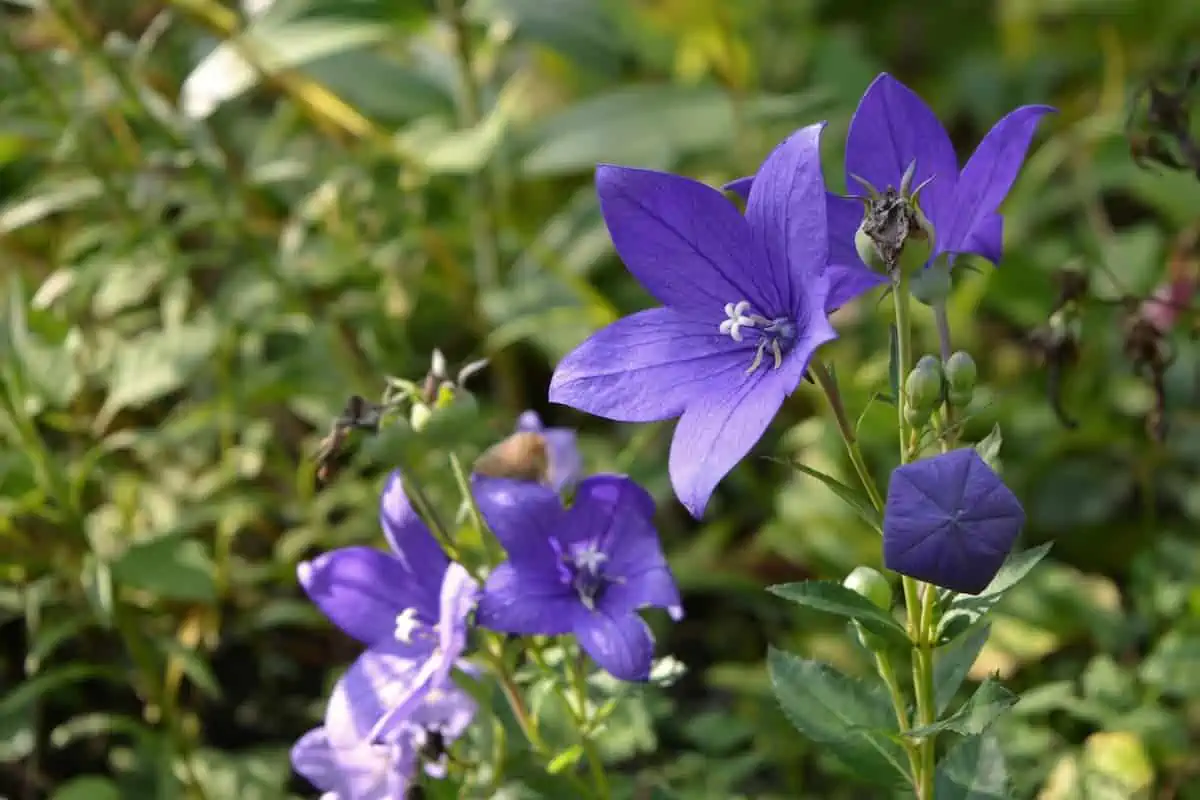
(743, 309)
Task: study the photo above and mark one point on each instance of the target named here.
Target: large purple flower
(891, 128)
(743, 309)
(562, 450)
(342, 759)
(950, 521)
(584, 570)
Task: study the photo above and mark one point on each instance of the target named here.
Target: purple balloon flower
(950, 521)
(743, 309)
(891, 128)
(562, 446)
(584, 570)
(341, 759)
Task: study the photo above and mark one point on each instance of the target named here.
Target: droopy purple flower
(743, 309)
(585, 571)
(376, 596)
(950, 521)
(341, 759)
(562, 446)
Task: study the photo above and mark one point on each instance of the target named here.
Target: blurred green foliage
(186, 303)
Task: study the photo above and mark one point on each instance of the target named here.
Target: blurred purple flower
(950, 521)
(891, 128)
(341, 759)
(562, 448)
(584, 570)
(376, 596)
(743, 309)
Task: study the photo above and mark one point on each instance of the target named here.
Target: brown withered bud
(357, 414)
(523, 456)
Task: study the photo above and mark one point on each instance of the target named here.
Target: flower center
(583, 570)
(409, 628)
(773, 335)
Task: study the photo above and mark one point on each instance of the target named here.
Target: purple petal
(623, 646)
(566, 464)
(987, 239)
(460, 593)
(891, 127)
(530, 422)
(362, 590)
(533, 603)
(950, 521)
(987, 177)
(410, 538)
(313, 758)
(786, 212)
(740, 187)
(847, 283)
(368, 689)
(683, 241)
(843, 215)
(647, 588)
(647, 366)
(524, 516)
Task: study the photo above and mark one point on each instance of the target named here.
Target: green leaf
(841, 713)
(155, 364)
(833, 598)
(989, 447)
(954, 662)
(172, 567)
(989, 701)
(964, 611)
(1173, 666)
(973, 770)
(855, 498)
(90, 787)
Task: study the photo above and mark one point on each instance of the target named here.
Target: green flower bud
(916, 416)
(870, 584)
(961, 372)
(867, 250)
(958, 398)
(419, 416)
(923, 388)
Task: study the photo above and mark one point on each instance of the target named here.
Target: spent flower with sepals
(743, 309)
(534, 453)
(583, 571)
(342, 759)
(565, 465)
(950, 521)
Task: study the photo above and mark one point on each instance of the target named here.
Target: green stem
(922, 662)
(577, 671)
(883, 663)
(823, 377)
(945, 348)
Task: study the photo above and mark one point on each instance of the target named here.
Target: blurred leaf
(92, 787)
(973, 770)
(173, 567)
(834, 598)
(46, 199)
(857, 499)
(582, 30)
(1173, 666)
(988, 702)
(839, 713)
(954, 662)
(258, 774)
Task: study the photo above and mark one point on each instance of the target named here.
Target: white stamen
(736, 312)
(590, 559)
(406, 625)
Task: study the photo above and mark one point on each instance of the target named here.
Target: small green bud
(916, 416)
(923, 388)
(867, 250)
(870, 584)
(961, 372)
(419, 416)
(958, 398)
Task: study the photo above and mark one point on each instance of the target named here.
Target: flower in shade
(562, 449)
(583, 571)
(891, 129)
(950, 521)
(743, 309)
(341, 759)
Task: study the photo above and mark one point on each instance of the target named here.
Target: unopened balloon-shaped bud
(924, 387)
(870, 584)
(419, 416)
(868, 251)
(961, 372)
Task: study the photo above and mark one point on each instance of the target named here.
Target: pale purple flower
(562, 450)
(341, 759)
(950, 521)
(891, 128)
(583, 571)
(743, 309)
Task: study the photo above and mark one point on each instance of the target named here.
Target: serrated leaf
(954, 663)
(989, 447)
(973, 770)
(171, 567)
(857, 500)
(964, 611)
(841, 713)
(833, 598)
(989, 701)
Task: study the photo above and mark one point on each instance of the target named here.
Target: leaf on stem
(834, 598)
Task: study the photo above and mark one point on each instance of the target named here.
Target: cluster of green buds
(932, 384)
(874, 587)
(895, 236)
(438, 390)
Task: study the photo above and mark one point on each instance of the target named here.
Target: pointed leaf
(841, 713)
(964, 611)
(989, 701)
(954, 662)
(973, 770)
(856, 499)
(989, 447)
(833, 598)
(172, 567)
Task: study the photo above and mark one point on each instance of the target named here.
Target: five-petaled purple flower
(342, 759)
(950, 521)
(891, 128)
(743, 309)
(413, 600)
(562, 450)
(584, 570)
